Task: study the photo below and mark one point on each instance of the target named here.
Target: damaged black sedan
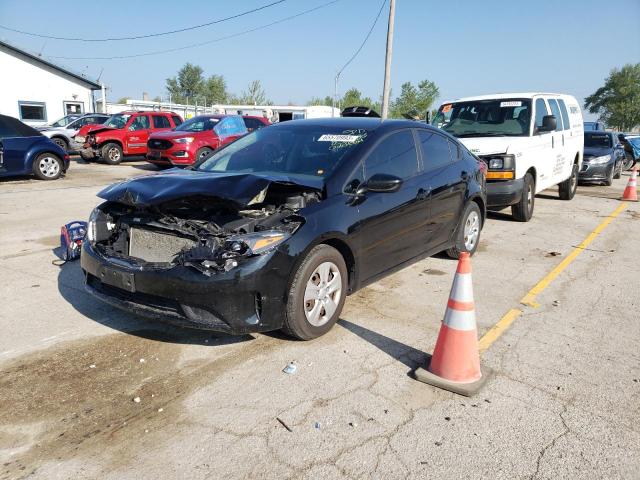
(274, 230)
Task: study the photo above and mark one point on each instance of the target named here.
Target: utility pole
(387, 61)
(335, 95)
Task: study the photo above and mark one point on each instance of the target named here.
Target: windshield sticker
(339, 138)
(446, 108)
(510, 104)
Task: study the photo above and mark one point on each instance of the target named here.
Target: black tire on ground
(567, 189)
(609, 181)
(296, 323)
(61, 142)
(470, 212)
(203, 152)
(618, 174)
(523, 210)
(111, 153)
(47, 166)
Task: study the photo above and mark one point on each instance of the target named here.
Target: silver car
(62, 133)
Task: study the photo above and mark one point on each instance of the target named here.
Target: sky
(466, 47)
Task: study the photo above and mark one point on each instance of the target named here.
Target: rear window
(176, 120)
(229, 126)
(11, 127)
(565, 115)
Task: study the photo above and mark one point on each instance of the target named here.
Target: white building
(39, 92)
(275, 113)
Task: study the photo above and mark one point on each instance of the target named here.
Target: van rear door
(542, 147)
(560, 171)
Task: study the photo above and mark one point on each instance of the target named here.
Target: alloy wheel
(471, 231)
(322, 294)
(114, 154)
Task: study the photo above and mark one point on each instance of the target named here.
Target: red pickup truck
(123, 134)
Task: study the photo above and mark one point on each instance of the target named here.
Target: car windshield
(119, 120)
(197, 124)
(64, 121)
(287, 149)
(485, 118)
(597, 140)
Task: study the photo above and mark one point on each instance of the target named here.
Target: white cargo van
(530, 142)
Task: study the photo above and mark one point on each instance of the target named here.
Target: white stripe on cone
(462, 288)
(460, 320)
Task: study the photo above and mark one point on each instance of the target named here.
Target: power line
(193, 45)
(137, 37)
(365, 39)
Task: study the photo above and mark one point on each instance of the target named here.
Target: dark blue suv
(25, 151)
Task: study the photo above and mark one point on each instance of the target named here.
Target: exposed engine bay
(204, 232)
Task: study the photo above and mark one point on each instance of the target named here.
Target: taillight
(483, 167)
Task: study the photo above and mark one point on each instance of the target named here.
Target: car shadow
(409, 356)
(71, 288)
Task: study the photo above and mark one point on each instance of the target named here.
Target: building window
(73, 108)
(33, 111)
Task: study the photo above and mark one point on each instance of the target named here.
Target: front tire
(523, 210)
(618, 174)
(112, 153)
(567, 189)
(468, 231)
(202, 152)
(47, 166)
(317, 294)
(609, 181)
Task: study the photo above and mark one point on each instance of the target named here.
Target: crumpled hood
(239, 188)
(596, 152)
(487, 145)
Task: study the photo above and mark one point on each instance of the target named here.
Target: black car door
(391, 226)
(447, 179)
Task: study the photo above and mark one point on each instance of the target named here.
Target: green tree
(254, 95)
(215, 90)
(353, 98)
(187, 85)
(123, 99)
(617, 103)
(328, 101)
(413, 101)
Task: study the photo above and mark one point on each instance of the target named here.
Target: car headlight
(100, 226)
(496, 163)
(255, 243)
(600, 160)
(185, 140)
(91, 227)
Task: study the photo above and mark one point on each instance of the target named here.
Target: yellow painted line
(529, 299)
(498, 329)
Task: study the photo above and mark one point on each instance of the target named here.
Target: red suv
(198, 137)
(123, 134)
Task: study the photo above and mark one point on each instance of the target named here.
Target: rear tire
(523, 210)
(567, 189)
(112, 153)
(307, 318)
(47, 166)
(468, 231)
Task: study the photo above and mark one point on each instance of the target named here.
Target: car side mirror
(381, 183)
(549, 124)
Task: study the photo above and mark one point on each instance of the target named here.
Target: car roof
(364, 123)
(497, 96)
(133, 112)
(598, 131)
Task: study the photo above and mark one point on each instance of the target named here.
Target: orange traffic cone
(455, 363)
(631, 192)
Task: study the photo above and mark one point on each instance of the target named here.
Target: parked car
(603, 158)
(123, 134)
(275, 229)
(61, 122)
(25, 151)
(594, 127)
(63, 135)
(194, 139)
(631, 144)
(530, 142)
(254, 123)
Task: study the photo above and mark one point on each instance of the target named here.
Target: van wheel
(47, 166)
(567, 189)
(317, 294)
(112, 153)
(523, 210)
(468, 231)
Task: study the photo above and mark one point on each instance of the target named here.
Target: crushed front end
(198, 261)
